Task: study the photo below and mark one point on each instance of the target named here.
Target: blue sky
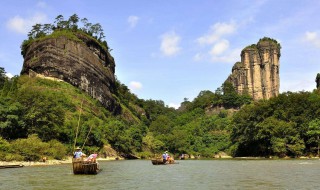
(173, 49)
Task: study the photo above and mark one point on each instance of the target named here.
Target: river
(188, 174)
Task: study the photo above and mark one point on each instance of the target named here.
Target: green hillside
(52, 110)
(39, 117)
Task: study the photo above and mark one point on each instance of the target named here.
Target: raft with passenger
(81, 166)
(161, 162)
(166, 159)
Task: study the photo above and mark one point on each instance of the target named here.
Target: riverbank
(51, 162)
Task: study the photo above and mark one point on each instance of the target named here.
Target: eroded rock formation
(258, 72)
(84, 63)
(318, 80)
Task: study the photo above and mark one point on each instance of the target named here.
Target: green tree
(12, 125)
(150, 143)
(31, 148)
(59, 21)
(204, 99)
(36, 31)
(44, 115)
(314, 132)
(48, 28)
(3, 77)
(86, 25)
(73, 21)
(56, 150)
(161, 126)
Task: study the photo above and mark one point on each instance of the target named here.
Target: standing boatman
(165, 157)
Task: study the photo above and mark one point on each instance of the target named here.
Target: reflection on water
(188, 174)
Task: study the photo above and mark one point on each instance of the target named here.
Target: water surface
(188, 174)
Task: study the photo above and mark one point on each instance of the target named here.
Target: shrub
(31, 149)
(56, 150)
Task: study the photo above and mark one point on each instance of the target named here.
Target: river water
(188, 174)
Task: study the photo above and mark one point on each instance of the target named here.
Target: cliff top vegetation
(264, 39)
(68, 28)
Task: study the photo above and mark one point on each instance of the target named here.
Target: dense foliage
(52, 110)
(47, 113)
(287, 125)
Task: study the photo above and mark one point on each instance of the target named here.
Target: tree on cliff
(42, 30)
(318, 80)
(59, 22)
(73, 22)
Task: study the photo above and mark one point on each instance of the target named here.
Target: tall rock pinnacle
(258, 72)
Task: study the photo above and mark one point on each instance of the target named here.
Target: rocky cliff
(318, 80)
(258, 72)
(80, 61)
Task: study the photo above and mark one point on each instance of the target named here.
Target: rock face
(258, 72)
(82, 63)
(318, 80)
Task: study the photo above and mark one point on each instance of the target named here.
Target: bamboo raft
(11, 166)
(160, 162)
(85, 167)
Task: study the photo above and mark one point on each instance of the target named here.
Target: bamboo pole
(77, 130)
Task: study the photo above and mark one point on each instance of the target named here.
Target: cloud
(219, 47)
(217, 31)
(9, 75)
(170, 44)
(231, 56)
(133, 20)
(134, 85)
(216, 45)
(173, 105)
(198, 57)
(312, 38)
(41, 4)
(23, 25)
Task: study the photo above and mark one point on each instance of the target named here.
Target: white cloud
(312, 38)
(173, 105)
(23, 25)
(41, 4)
(219, 47)
(170, 44)
(228, 57)
(198, 57)
(217, 31)
(9, 75)
(133, 20)
(134, 85)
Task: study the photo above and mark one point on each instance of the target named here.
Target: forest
(40, 117)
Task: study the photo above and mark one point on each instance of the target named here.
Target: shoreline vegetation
(69, 160)
(50, 162)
